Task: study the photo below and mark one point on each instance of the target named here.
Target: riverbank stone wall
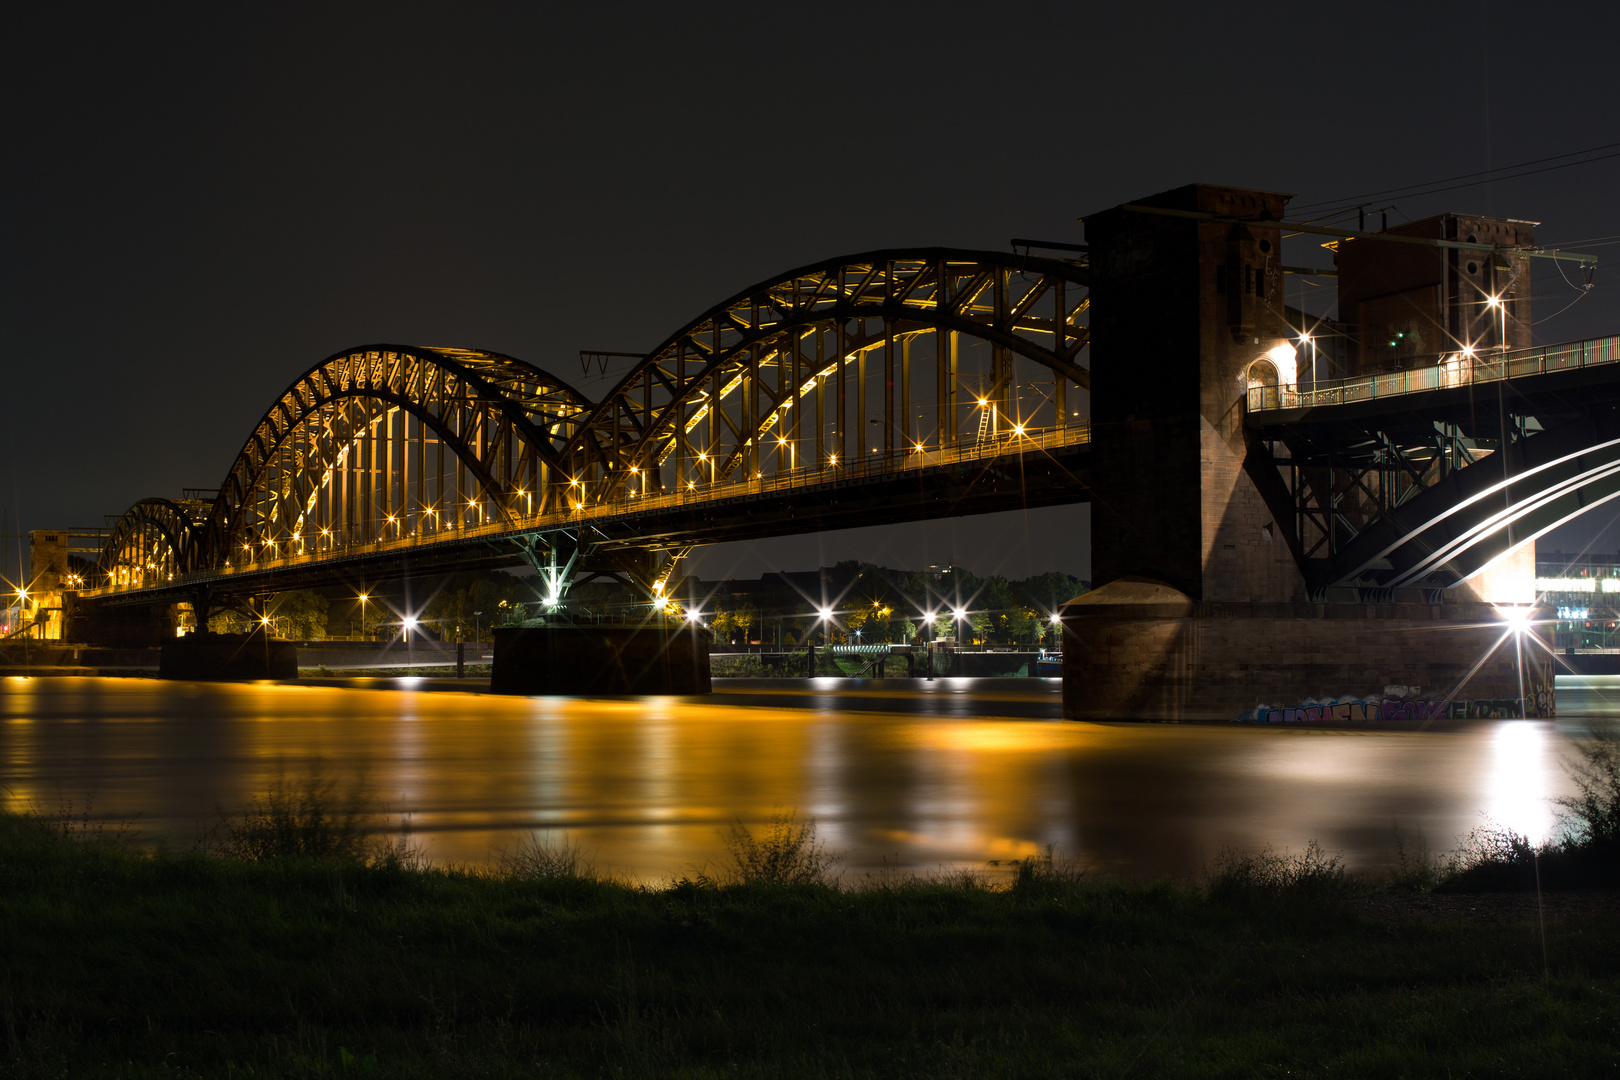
(1137, 649)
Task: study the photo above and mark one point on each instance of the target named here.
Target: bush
(1493, 859)
(1592, 815)
(1313, 875)
(1586, 851)
(1415, 870)
(1042, 876)
(309, 820)
(787, 854)
(533, 859)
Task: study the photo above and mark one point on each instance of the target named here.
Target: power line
(1489, 174)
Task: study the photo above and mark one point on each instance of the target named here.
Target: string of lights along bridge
(883, 365)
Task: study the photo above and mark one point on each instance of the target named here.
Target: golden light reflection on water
(646, 784)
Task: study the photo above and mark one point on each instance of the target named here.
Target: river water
(953, 773)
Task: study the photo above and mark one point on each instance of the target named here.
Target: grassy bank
(249, 959)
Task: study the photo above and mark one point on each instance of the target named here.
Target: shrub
(1044, 875)
(1312, 875)
(534, 859)
(309, 820)
(1415, 869)
(786, 854)
(1586, 852)
(1492, 859)
(1592, 815)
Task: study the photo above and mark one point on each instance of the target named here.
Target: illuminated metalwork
(154, 541)
(1425, 483)
(792, 372)
(879, 364)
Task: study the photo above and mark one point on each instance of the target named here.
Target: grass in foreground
(295, 950)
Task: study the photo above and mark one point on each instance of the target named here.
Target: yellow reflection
(1008, 736)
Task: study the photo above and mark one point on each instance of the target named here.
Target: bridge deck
(868, 493)
(1272, 405)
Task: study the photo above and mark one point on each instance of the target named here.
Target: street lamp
(363, 599)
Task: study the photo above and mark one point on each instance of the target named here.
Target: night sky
(201, 204)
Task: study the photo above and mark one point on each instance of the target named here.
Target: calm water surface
(957, 772)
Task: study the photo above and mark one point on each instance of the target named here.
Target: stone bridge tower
(1187, 314)
(1201, 610)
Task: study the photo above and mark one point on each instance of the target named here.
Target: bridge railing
(873, 465)
(1456, 370)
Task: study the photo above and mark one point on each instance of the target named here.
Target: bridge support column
(652, 658)
(217, 657)
(1203, 612)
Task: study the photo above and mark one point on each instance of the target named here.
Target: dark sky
(202, 203)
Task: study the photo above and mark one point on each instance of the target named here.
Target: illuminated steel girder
(152, 543)
(860, 366)
(917, 343)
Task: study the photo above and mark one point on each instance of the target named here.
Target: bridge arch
(807, 373)
(747, 368)
(152, 543)
(385, 441)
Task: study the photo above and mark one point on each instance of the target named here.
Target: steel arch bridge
(887, 367)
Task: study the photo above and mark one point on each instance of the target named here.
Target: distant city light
(1575, 585)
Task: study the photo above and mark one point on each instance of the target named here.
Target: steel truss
(153, 542)
(794, 371)
(1422, 501)
(849, 367)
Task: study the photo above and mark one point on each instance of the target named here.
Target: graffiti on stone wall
(1375, 708)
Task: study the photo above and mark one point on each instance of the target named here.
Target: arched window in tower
(1263, 378)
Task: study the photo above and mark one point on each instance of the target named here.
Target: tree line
(869, 605)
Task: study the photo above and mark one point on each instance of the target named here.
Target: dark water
(953, 773)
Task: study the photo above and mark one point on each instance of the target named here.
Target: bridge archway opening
(1263, 376)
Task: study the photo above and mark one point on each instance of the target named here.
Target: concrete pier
(651, 659)
(206, 657)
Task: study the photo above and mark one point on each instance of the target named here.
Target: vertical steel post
(821, 398)
(1060, 385)
(860, 393)
(841, 405)
(888, 387)
(460, 509)
(716, 385)
(907, 438)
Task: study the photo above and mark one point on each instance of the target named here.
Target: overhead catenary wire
(1489, 176)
